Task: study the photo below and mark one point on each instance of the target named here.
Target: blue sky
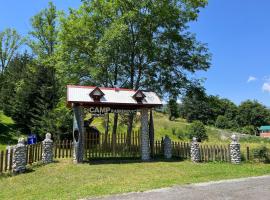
(237, 34)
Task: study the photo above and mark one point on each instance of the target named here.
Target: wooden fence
(107, 146)
(33, 154)
(215, 153)
(119, 145)
(181, 150)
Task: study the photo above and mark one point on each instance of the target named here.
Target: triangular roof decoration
(96, 94)
(139, 96)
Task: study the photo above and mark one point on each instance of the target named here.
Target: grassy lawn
(64, 180)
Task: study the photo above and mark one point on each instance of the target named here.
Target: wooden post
(248, 157)
(145, 150)
(151, 134)
(78, 133)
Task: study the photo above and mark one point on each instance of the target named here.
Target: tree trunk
(115, 123)
(107, 120)
(151, 134)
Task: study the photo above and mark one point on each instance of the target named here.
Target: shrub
(222, 122)
(261, 154)
(198, 130)
(250, 130)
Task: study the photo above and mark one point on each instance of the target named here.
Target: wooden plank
(10, 159)
(1, 161)
(6, 160)
(59, 149)
(248, 156)
(36, 152)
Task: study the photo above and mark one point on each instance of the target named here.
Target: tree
(249, 129)
(135, 44)
(222, 122)
(44, 34)
(197, 130)
(173, 109)
(194, 105)
(253, 113)
(12, 79)
(10, 41)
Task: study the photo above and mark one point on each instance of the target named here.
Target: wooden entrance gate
(98, 145)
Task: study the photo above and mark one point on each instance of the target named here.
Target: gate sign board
(102, 100)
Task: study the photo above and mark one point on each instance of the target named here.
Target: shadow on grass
(128, 160)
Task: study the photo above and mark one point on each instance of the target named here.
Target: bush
(198, 130)
(222, 122)
(261, 154)
(250, 130)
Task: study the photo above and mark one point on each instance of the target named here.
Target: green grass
(64, 180)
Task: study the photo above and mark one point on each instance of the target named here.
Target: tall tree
(43, 42)
(44, 34)
(145, 43)
(253, 113)
(10, 41)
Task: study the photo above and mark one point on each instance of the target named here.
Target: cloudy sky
(237, 34)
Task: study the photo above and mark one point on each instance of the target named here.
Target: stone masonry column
(78, 134)
(235, 151)
(195, 150)
(167, 147)
(47, 149)
(19, 157)
(145, 148)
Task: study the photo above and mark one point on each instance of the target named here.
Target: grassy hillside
(177, 130)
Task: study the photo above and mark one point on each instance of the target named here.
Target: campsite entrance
(100, 101)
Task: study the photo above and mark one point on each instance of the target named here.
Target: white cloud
(251, 78)
(266, 87)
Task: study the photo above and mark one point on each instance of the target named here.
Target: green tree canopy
(253, 113)
(10, 41)
(133, 44)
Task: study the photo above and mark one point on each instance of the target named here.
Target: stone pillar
(145, 149)
(78, 134)
(235, 150)
(47, 149)
(19, 157)
(195, 150)
(167, 147)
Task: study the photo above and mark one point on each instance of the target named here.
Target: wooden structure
(264, 131)
(101, 100)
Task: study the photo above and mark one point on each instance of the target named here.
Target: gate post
(167, 147)
(145, 149)
(47, 149)
(235, 150)
(195, 150)
(19, 157)
(78, 134)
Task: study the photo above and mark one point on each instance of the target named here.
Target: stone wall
(19, 157)
(195, 150)
(47, 149)
(167, 147)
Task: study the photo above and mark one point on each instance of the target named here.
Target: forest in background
(132, 44)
